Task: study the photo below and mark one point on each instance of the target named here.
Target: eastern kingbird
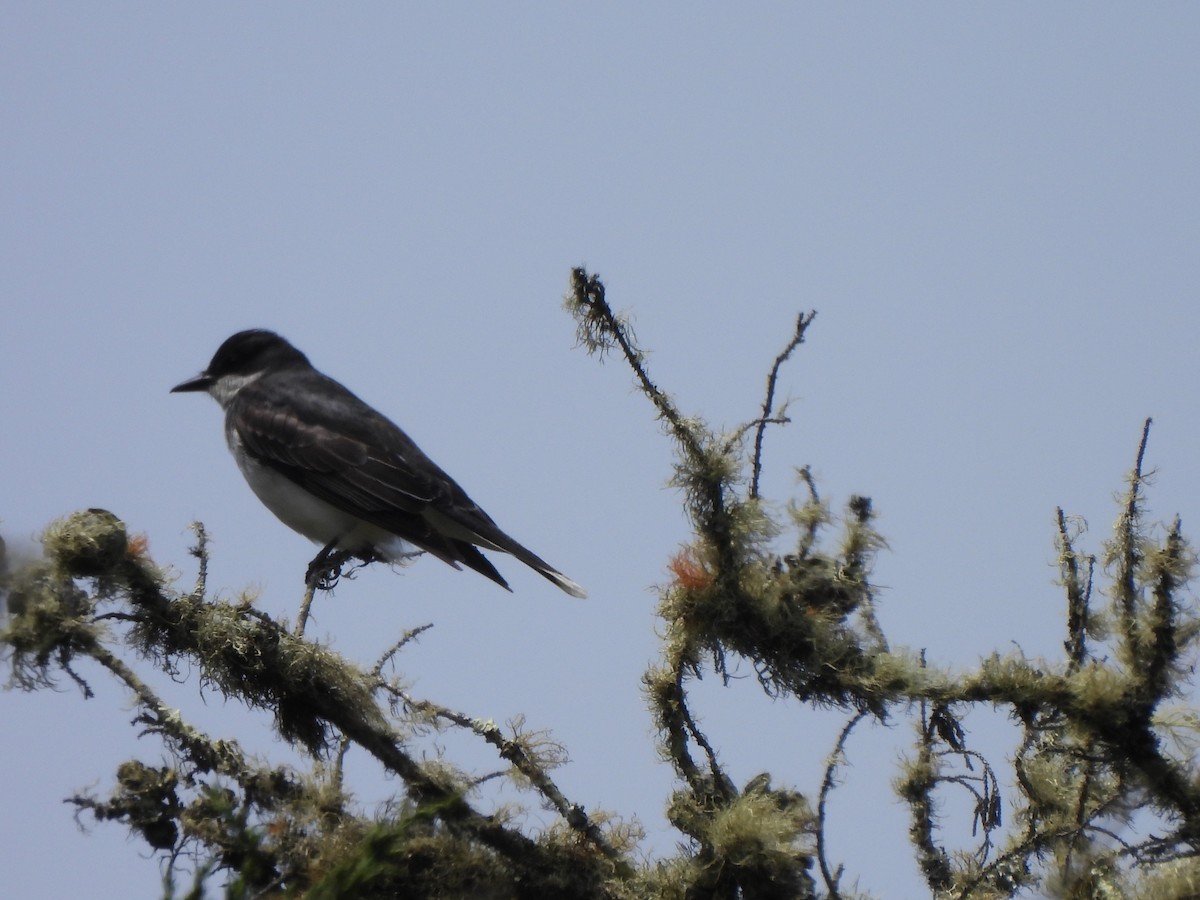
(340, 473)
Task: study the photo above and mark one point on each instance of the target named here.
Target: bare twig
(827, 785)
(803, 320)
(720, 779)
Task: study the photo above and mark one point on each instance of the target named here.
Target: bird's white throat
(225, 388)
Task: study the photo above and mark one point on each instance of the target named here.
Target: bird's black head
(246, 353)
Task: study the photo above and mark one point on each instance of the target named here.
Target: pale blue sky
(993, 208)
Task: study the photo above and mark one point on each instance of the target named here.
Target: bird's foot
(326, 568)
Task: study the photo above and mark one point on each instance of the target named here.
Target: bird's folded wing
(372, 475)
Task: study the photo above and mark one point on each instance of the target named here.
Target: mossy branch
(313, 693)
(804, 621)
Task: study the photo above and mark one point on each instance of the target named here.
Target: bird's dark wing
(363, 464)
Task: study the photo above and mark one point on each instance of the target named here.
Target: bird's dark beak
(201, 382)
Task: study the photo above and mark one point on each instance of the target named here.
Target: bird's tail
(470, 556)
(484, 533)
(539, 565)
(560, 579)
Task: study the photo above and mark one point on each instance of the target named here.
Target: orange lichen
(689, 570)
(138, 546)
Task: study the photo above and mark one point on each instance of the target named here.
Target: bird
(339, 472)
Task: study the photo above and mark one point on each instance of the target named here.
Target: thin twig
(754, 423)
(1164, 648)
(720, 779)
(589, 292)
(827, 785)
(514, 752)
(200, 551)
(409, 635)
(1132, 557)
(199, 748)
(803, 320)
(1077, 596)
(310, 590)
